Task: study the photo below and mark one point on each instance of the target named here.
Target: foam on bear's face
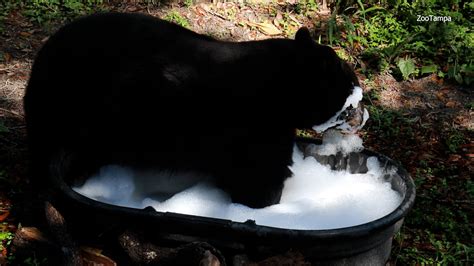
(341, 120)
(315, 197)
(334, 141)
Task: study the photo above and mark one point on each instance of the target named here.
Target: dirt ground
(425, 123)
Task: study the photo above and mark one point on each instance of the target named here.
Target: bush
(435, 35)
(46, 11)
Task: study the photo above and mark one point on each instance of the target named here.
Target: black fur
(129, 88)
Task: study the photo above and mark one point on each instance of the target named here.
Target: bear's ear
(303, 36)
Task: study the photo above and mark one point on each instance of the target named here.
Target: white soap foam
(315, 197)
(113, 184)
(351, 101)
(334, 141)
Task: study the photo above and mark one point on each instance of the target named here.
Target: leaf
(440, 95)
(429, 69)
(25, 34)
(4, 215)
(266, 28)
(407, 67)
(295, 20)
(4, 235)
(92, 256)
(451, 104)
(458, 78)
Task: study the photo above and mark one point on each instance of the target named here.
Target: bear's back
(128, 88)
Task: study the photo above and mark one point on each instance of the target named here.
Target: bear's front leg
(257, 188)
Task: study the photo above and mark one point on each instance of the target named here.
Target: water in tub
(315, 197)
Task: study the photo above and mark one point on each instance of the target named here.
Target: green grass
(438, 230)
(440, 251)
(175, 17)
(389, 124)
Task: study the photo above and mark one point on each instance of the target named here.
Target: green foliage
(46, 11)
(343, 54)
(429, 69)
(306, 6)
(470, 106)
(5, 239)
(455, 140)
(389, 124)
(407, 67)
(34, 261)
(439, 227)
(5, 8)
(439, 230)
(188, 3)
(445, 252)
(385, 31)
(175, 17)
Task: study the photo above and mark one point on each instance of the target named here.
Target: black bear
(134, 89)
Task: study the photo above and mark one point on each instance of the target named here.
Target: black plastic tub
(366, 244)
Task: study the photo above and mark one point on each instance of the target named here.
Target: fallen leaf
(294, 19)
(468, 145)
(266, 28)
(279, 16)
(276, 23)
(451, 104)
(4, 215)
(278, 19)
(132, 8)
(93, 257)
(205, 7)
(25, 34)
(454, 158)
(200, 11)
(440, 96)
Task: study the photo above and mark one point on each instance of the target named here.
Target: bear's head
(324, 81)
